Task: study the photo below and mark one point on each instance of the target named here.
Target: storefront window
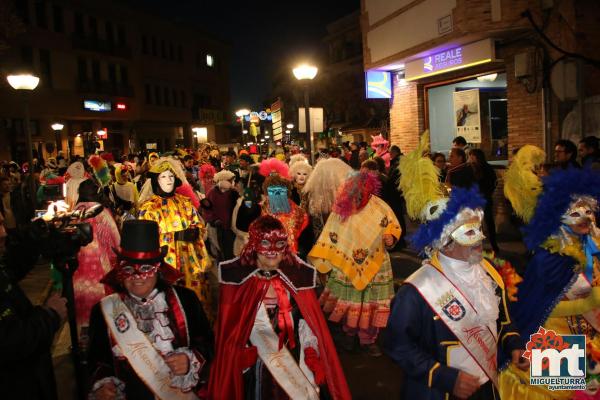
(475, 109)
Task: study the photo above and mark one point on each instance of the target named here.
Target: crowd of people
(272, 231)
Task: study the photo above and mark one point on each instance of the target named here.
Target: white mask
(301, 177)
(224, 185)
(166, 181)
(468, 234)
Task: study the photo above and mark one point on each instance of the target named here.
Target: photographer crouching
(26, 331)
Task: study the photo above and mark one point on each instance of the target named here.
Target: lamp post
(25, 83)
(307, 73)
(241, 114)
(57, 127)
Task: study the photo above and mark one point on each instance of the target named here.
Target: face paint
(468, 234)
(128, 270)
(166, 181)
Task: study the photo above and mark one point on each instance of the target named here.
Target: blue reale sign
(445, 59)
(379, 85)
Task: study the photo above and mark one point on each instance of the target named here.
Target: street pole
(29, 145)
(308, 125)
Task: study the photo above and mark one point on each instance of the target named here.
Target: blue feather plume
(431, 231)
(558, 190)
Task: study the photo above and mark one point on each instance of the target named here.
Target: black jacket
(26, 336)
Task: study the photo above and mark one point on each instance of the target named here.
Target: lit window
(209, 60)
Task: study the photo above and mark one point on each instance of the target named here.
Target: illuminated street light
(267, 136)
(242, 112)
(26, 83)
(57, 127)
(290, 126)
(307, 73)
(288, 131)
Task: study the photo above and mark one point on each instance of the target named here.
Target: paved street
(368, 377)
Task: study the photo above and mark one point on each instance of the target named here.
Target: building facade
(500, 73)
(113, 74)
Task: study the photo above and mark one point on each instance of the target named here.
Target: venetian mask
(468, 234)
(272, 243)
(137, 271)
(301, 177)
(166, 181)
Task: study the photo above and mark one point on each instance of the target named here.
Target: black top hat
(140, 242)
(140, 245)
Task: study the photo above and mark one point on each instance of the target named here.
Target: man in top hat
(149, 339)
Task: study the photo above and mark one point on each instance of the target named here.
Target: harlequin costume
(560, 285)
(451, 315)
(181, 230)
(272, 341)
(130, 337)
(360, 285)
(278, 203)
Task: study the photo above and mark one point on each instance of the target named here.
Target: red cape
(240, 294)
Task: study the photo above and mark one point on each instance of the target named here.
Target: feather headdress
(101, 171)
(521, 184)
(560, 189)
(462, 205)
(274, 166)
(419, 180)
(355, 193)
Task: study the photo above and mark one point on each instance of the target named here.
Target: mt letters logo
(557, 361)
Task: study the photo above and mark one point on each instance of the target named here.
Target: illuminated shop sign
(379, 84)
(451, 59)
(95, 105)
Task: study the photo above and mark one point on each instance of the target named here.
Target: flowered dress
(360, 286)
(95, 260)
(174, 214)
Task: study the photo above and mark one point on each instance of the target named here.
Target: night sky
(264, 35)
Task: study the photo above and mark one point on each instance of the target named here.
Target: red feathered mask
(267, 235)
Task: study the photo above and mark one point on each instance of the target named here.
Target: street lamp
(26, 83)
(57, 127)
(290, 126)
(307, 73)
(241, 113)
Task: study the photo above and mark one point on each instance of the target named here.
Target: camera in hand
(65, 233)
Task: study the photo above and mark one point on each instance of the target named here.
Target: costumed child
(277, 190)
(272, 341)
(321, 188)
(450, 325)
(150, 339)
(352, 246)
(380, 146)
(560, 293)
(218, 208)
(180, 225)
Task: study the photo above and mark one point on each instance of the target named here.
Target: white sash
(280, 363)
(582, 288)
(460, 317)
(145, 360)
